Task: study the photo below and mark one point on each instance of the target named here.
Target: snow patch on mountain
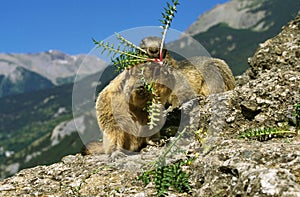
(53, 65)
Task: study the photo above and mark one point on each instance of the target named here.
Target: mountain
(236, 14)
(39, 128)
(21, 73)
(232, 31)
(37, 122)
(19, 79)
(43, 126)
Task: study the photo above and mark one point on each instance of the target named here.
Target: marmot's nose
(153, 52)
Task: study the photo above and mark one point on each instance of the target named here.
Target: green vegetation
(166, 176)
(263, 134)
(131, 54)
(172, 175)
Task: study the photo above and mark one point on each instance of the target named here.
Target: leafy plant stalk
(130, 55)
(128, 43)
(126, 52)
(172, 175)
(168, 17)
(263, 134)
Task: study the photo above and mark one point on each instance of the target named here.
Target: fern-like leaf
(263, 134)
(126, 54)
(166, 22)
(154, 110)
(128, 43)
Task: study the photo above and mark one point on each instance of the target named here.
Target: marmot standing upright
(120, 106)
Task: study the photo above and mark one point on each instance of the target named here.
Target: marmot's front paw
(118, 154)
(156, 142)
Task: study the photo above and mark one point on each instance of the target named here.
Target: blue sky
(68, 25)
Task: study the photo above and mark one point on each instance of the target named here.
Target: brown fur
(195, 75)
(200, 75)
(120, 107)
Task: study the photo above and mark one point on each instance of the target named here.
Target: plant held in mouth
(126, 55)
(168, 17)
(131, 54)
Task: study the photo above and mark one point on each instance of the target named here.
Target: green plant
(166, 22)
(131, 54)
(200, 135)
(153, 106)
(126, 54)
(166, 176)
(263, 134)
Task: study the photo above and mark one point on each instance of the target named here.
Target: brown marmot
(195, 75)
(120, 106)
(200, 75)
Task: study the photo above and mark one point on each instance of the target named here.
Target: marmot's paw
(118, 154)
(156, 142)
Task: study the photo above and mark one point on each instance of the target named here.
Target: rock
(225, 165)
(248, 168)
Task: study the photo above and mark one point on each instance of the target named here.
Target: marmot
(200, 75)
(195, 75)
(120, 106)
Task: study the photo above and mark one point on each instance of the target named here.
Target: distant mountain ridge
(20, 80)
(232, 31)
(236, 14)
(21, 73)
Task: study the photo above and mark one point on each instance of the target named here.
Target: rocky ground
(225, 165)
